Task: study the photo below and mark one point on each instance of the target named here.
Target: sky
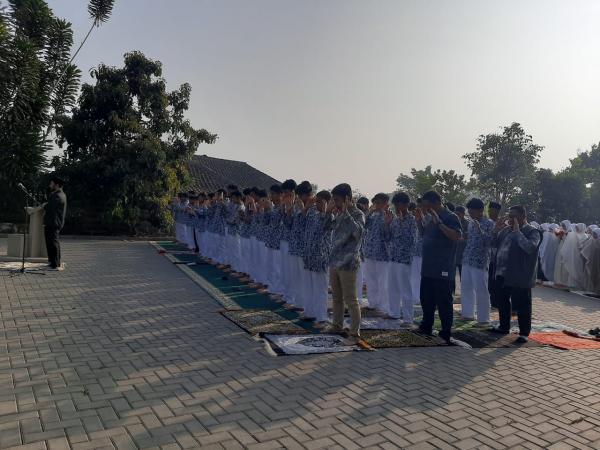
(360, 91)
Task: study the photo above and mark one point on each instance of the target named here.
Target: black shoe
(522, 340)
(424, 331)
(498, 330)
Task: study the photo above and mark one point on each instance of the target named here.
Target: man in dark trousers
(54, 219)
(440, 230)
(517, 244)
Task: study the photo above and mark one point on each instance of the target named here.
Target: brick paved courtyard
(123, 351)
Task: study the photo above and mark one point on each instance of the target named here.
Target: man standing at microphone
(54, 220)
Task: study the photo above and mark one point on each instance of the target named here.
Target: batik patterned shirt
(402, 238)
(297, 223)
(200, 219)
(318, 242)
(375, 244)
(218, 218)
(479, 244)
(273, 220)
(234, 218)
(348, 229)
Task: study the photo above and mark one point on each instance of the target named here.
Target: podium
(36, 243)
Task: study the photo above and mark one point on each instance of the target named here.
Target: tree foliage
(451, 185)
(127, 145)
(38, 86)
(503, 162)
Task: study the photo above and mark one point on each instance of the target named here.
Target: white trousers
(235, 252)
(376, 274)
(415, 279)
(286, 274)
(400, 296)
(198, 238)
(189, 232)
(296, 266)
(178, 232)
(474, 293)
(360, 281)
(316, 305)
(274, 270)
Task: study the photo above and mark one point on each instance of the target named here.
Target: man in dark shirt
(517, 244)
(54, 220)
(441, 230)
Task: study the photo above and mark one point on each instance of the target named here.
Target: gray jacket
(517, 256)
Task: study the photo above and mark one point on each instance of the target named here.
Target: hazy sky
(360, 91)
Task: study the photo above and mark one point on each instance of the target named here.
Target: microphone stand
(23, 270)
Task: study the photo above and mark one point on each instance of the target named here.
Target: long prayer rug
(259, 314)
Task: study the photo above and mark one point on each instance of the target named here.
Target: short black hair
(211, 195)
(519, 209)
(232, 187)
(494, 205)
(304, 188)
(262, 193)
(450, 206)
(475, 203)
(412, 206)
(363, 201)
(276, 188)
(236, 194)
(247, 191)
(431, 196)
(57, 180)
(381, 197)
(324, 195)
(342, 190)
(460, 209)
(289, 185)
(401, 197)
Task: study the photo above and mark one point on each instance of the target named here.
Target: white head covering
(596, 233)
(566, 225)
(535, 225)
(580, 228)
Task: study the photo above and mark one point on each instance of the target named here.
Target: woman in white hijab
(548, 250)
(573, 260)
(561, 276)
(591, 254)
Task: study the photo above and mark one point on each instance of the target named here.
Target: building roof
(209, 174)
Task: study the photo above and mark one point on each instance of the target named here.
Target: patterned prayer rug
(398, 338)
(305, 345)
(485, 339)
(256, 321)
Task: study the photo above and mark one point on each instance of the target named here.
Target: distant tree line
(505, 168)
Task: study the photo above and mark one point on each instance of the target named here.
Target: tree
(451, 185)
(561, 196)
(38, 84)
(503, 163)
(127, 146)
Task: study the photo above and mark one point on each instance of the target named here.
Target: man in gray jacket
(54, 220)
(516, 244)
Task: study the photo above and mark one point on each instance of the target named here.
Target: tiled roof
(209, 174)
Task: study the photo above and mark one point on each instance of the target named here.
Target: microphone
(23, 188)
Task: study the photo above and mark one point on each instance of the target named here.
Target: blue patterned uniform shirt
(297, 223)
(273, 221)
(402, 239)
(375, 244)
(318, 242)
(479, 244)
(348, 229)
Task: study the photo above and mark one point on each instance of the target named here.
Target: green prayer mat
(398, 338)
(486, 339)
(256, 321)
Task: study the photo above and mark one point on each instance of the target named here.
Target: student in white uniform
(475, 264)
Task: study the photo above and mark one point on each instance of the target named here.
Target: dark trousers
(492, 285)
(514, 299)
(436, 293)
(52, 245)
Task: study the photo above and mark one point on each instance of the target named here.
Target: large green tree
(38, 84)
(504, 163)
(127, 146)
(451, 185)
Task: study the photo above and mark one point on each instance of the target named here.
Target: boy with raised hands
(376, 253)
(401, 233)
(316, 259)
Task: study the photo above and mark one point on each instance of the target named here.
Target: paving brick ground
(123, 351)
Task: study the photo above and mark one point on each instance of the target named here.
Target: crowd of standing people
(300, 245)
